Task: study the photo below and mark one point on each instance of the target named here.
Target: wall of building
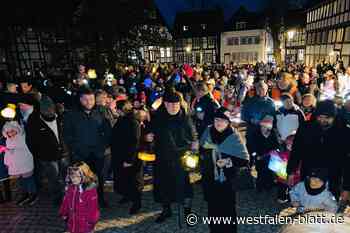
(328, 32)
(249, 46)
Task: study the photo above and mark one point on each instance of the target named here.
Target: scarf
(225, 142)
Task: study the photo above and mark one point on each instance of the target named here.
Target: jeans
(51, 171)
(28, 184)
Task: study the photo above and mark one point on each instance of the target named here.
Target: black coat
(316, 148)
(173, 136)
(262, 145)
(43, 141)
(86, 134)
(209, 106)
(126, 135)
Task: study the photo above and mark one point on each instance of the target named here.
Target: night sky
(168, 8)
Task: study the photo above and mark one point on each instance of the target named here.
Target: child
(313, 193)
(4, 177)
(265, 141)
(80, 204)
(288, 118)
(19, 162)
(308, 106)
(282, 183)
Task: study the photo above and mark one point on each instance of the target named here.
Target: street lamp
(188, 49)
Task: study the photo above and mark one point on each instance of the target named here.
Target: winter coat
(209, 106)
(262, 145)
(344, 115)
(80, 208)
(288, 121)
(230, 146)
(18, 158)
(86, 134)
(125, 143)
(314, 147)
(44, 144)
(325, 200)
(173, 136)
(256, 108)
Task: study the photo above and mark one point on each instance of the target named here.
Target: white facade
(246, 47)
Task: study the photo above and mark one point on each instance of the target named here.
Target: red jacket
(80, 209)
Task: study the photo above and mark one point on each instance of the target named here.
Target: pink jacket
(80, 209)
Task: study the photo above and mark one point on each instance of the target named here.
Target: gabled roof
(254, 20)
(213, 20)
(195, 17)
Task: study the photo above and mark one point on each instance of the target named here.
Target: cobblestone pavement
(42, 218)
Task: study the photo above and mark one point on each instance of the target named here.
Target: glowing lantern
(92, 74)
(190, 161)
(9, 112)
(144, 156)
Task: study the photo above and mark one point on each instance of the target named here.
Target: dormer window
(241, 25)
(185, 28)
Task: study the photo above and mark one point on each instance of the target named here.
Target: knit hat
(222, 113)
(326, 108)
(46, 103)
(267, 121)
(320, 173)
(171, 97)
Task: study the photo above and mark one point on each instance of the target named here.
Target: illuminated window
(168, 52)
(185, 28)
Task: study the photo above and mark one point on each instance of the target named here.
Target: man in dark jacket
(87, 134)
(255, 109)
(174, 133)
(322, 143)
(47, 147)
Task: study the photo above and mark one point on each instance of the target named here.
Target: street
(43, 218)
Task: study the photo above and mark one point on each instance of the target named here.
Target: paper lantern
(92, 74)
(147, 157)
(190, 161)
(9, 112)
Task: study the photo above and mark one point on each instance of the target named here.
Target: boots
(6, 195)
(135, 208)
(166, 213)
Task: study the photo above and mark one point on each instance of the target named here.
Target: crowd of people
(73, 135)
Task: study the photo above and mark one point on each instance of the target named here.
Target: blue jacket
(325, 200)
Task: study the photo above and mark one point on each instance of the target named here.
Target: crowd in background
(81, 132)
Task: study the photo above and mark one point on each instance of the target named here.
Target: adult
(127, 168)
(255, 109)
(322, 143)
(87, 134)
(223, 153)
(47, 147)
(174, 133)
